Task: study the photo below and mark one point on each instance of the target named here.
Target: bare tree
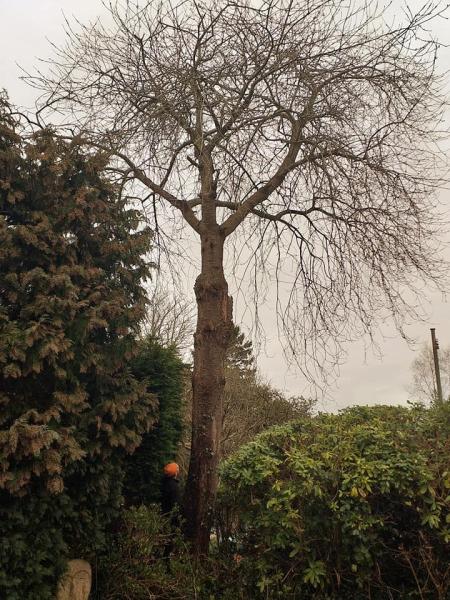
(251, 406)
(423, 385)
(306, 129)
(170, 319)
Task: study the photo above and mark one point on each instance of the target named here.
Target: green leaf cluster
(135, 567)
(349, 505)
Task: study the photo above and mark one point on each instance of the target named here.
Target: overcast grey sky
(25, 28)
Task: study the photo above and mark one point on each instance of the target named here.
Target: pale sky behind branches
(366, 376)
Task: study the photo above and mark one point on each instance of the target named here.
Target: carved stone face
(76, 583)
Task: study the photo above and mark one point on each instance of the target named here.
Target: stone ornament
(76, 583)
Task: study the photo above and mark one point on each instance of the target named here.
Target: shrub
(338, 506)
(40, 531)
(136, 569)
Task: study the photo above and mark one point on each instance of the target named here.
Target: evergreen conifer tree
(162, 370)
(71, 299)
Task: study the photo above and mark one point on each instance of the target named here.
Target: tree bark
(214, 326)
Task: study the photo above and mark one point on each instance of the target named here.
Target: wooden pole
(437, 371)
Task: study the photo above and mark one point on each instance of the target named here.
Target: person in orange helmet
(170, 491)
(170, 501)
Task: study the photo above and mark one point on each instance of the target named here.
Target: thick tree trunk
(214, 324)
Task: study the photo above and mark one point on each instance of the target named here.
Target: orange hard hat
(171, 469)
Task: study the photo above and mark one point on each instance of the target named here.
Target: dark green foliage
(135, 568)
(39, 531)
(32, 547)
(355, 505)
(161, 369)
(71, 299)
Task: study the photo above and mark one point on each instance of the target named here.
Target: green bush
(40, 531)
(136, 569)
(355, 505)
(161, 369)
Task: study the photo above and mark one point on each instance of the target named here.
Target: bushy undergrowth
(355, 505)
(136, 568)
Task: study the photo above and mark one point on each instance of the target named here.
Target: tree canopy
(313, 122)
(70, 303)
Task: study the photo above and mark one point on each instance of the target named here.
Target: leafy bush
(338, 506)
(40, 531)
(136, 569)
